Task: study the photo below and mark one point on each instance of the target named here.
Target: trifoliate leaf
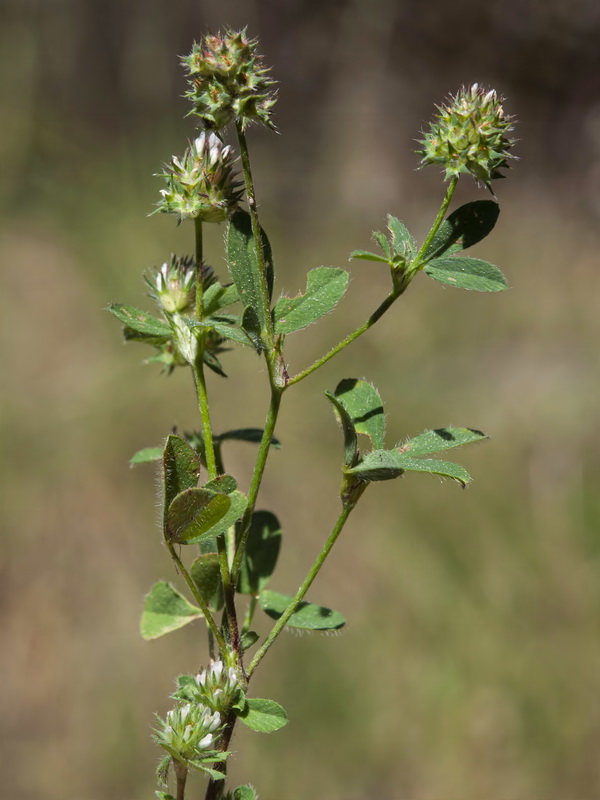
(146, 455)
(325, 286)
(467, 273)
(193, 514)
(264, 716)
(463, 228)
(181, 467)
(363, 403)
(307, 616)
(165, 610)
(140, 321)
(260, 556)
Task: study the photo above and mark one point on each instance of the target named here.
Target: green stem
(437, 223)
(199, 257)
(259, 468)
(375, 316)
(207, 435)
(210, 621)
(181, 774)
(312, 574)
(256, 233)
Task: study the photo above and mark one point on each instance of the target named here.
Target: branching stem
(210, 621)
(312, 574)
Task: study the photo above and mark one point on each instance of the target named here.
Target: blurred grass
(471, 664)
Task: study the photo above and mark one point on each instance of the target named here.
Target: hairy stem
(375, 316)
(181, 774)
(437, 223)
(312, 574)
(207, 435)
(199, 257)
(257, 475)
(210, 621)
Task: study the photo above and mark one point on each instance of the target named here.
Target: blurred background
(470, 666)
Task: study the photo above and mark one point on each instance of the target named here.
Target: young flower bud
(217, 686)
(227, 81)
(174, 284)
(201, 185)
(470, 136)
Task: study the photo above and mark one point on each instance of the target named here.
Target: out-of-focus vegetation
(483, 675)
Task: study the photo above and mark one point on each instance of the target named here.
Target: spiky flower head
(470, 135)
(228, 81)
(189, 730)
(202, 184)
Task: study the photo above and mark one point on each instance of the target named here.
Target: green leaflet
(206, 573)
(146, 455)
(226, 330)
(239, 501)
(446, 469)
(440, 439)
(243, 264)
(165, 610)
(222, 483)
(363, 403)
(402, 241)
(139, 321)
(248, 639)
(264, 716)
(383, 465)
(262, 550)
(382, 241)
(325, 286)
(307, 616)
(181, 468)
(348, 429)
(253, 435)
(467, 273)
(463, 228)
(217, 297)
(366, 255)
(193, 514)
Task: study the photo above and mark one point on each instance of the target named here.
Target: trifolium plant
(224, 547)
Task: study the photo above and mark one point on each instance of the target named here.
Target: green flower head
(228, 81)
(470, 135)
